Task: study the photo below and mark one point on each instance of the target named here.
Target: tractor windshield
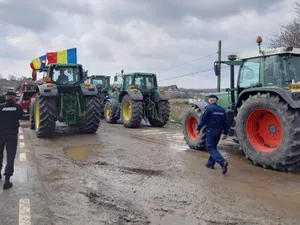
(280, 70)
(29, 88)
(66, 75)
(100, 83)
(293, 64)
(144, 83)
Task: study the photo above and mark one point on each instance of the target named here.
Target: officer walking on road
(215, 119)
(10, 114)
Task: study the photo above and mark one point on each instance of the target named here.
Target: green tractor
(102, 83)
(136, 96)
(64, 96)
(263, 109)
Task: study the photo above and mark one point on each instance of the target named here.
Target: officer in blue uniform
(215, 119)
(10, 114)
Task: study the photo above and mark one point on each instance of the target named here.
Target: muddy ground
(142, 176)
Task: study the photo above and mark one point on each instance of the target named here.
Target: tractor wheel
(191, 120)
(268, 132)
(102, 104)
(131, 112)
(31, 114)
(92, 116)
(110, 111)
(163, 108)
(45, 116)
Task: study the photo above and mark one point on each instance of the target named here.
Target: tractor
(263, 110)
(102, 83)
(136, 96)
(27, 92)
(64, 96)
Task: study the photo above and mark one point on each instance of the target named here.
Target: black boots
(224, 167)
(7, 183)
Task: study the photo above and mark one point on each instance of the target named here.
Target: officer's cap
(213, 96)
(11, 93)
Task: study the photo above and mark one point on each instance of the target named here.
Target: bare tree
(289, 34)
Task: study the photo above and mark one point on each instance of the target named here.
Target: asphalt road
(140, 176)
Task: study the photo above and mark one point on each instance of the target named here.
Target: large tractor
(102, 83)
(64, 96)
(263, 109)
(136, 96)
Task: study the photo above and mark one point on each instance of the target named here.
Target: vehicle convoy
(27, 91)
(263, 109)
(102, 83)
(64, 96)
(136, 96)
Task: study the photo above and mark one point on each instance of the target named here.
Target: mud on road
(149, 176)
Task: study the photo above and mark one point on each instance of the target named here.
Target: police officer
(215, 119)
(10, 114)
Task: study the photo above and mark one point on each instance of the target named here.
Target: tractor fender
(137, 96)
(201, 105)
(47, 91)
(286, 95)
(88, 91)
(164, 96)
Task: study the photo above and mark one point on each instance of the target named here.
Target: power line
(190, 74)
(187, 62)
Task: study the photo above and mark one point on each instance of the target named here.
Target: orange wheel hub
(264, 130)
(191, 126)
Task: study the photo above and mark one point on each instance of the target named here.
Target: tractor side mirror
(217, 68)
(33, 76)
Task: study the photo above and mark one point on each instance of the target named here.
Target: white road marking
(21, 131)
(156, 133)
(22, 144)
(21, 137)
(23, 157)
(24, 212)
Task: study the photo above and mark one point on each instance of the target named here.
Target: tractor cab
(102, 82)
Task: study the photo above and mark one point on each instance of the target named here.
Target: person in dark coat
(215, 119)
(10, 114)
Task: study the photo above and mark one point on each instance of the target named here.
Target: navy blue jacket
(10, 114)
(214, 117)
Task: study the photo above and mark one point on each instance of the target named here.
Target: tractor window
(127, 81)
(249, 73)
(294, 67)
(100, 82)
(144, 82)
(29, 88)
(66, 75)
(275, 72)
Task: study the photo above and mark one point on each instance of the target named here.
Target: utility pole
(219, 59)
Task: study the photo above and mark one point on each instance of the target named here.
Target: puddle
(81, 153)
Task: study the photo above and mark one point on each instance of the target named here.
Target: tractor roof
(140, 74)
(64, 65)
(98, 76)
(273, 51)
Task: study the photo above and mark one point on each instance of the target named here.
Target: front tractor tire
(101, 97)
(163, 111)
(92, 115)
(194, 141)
(111, 111)
(131, 112)
(268, 132)
(31, 114)
(44, 116)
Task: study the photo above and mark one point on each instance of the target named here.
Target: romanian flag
(36, 64)
(68, 56)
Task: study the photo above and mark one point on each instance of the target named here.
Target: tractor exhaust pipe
(232, 93)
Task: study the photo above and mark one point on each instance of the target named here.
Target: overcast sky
(138, 35)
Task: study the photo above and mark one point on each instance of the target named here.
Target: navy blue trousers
(10, 143)
(212, 140)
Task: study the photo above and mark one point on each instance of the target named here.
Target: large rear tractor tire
(268, 132)
(163, 110)
(111, 111)
(31, 114)
(190, 122)
(45, 116)
(131, 112)
(92, 116)
(102, 104)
